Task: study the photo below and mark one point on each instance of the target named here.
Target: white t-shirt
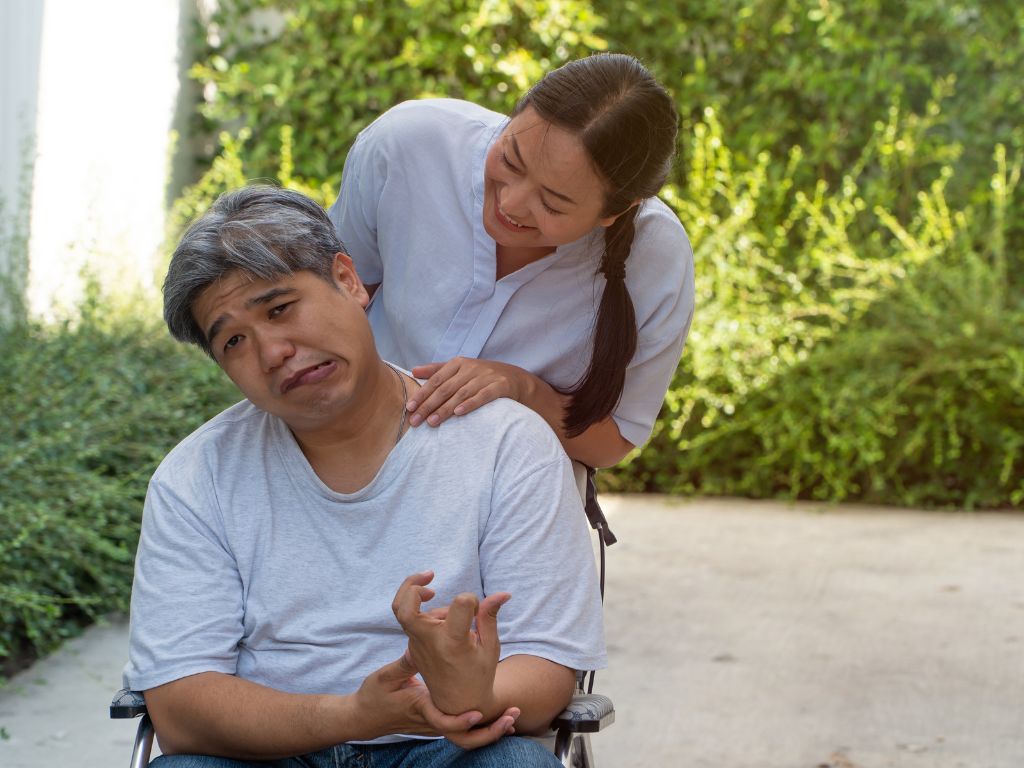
(410, 213)
(249, 565)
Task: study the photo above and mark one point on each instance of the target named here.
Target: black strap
(594, 512)
(604, 535)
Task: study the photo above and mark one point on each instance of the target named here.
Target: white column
(108, 84)
(20, 35)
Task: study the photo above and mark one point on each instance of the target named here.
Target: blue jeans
(508, 752)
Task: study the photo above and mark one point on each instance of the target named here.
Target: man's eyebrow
(215, 328)
(264, 298)
(268, 296)
(549, 190)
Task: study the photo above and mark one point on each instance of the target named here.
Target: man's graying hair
(262, 231)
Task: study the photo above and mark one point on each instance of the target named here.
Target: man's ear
(344, 274)
(607, 221)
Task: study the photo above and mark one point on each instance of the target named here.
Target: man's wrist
(345, 720)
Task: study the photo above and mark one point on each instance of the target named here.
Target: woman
(528, 257)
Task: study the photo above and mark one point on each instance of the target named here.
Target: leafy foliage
(835, 175)
(849, 173)
(884, 369)
(89, 410)
(327, 68)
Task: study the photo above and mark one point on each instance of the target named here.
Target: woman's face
(540, 188)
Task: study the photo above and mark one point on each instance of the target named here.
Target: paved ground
(741, 634)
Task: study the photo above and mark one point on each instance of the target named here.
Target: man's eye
(279, 309)
(232, 342)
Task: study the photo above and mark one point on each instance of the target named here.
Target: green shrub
(887, 370)
(832, 157)
(89, 409)
(327, 68)
(788, 73)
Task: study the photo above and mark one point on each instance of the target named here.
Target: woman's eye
(506, 161)
(551, 210)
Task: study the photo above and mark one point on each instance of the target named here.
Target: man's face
(297, 347)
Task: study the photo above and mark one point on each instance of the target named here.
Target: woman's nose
(515, 200)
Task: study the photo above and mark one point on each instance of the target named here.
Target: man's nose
(275, 349)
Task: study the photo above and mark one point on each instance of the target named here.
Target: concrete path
(741, 635)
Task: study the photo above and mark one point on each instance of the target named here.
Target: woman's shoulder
(427, 120)
(658, 223)
(660, 242)
(660, 269)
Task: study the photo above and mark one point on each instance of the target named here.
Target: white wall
(108, 84)
(20, 38)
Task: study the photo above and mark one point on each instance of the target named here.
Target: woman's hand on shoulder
(462, 385)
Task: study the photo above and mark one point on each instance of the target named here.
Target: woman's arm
(464, 384)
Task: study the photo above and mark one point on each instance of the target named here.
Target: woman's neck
(510, 259)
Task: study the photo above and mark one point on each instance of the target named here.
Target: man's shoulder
(507, 427)
(227, 433)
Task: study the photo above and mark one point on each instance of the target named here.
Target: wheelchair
(587, 713)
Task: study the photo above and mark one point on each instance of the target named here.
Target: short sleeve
(536, 546)
(354, 213)
(187, 597)
(661, 282)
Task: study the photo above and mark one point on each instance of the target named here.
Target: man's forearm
(540, 688)
(218, 714)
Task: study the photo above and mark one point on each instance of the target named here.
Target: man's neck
(347, 454)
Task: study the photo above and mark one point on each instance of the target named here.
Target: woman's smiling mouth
(507, 221)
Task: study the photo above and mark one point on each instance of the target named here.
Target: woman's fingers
(458, 387)
(427, 398)
(483, 397)
(443, 391)
(426, 371)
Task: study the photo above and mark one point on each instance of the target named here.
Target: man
(265, 618)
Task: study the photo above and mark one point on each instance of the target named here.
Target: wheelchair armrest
(586, 713)
(127, 704)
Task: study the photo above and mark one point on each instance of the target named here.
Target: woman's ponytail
(627, 123)
(596, 394)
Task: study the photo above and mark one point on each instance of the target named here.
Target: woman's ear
(607, 221)
(344, 273)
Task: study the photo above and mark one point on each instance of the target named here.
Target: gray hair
(262, 231)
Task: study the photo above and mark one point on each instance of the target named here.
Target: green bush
(327, 68)
(849, 175)
(782, 74)
(883, 369)
(89, 409)
(835, 176)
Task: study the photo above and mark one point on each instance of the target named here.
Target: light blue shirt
(410, 213)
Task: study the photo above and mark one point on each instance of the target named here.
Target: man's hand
(394, 699)
(462, 385)
(457, 662)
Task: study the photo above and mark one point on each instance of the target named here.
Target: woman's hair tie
(614, 271)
